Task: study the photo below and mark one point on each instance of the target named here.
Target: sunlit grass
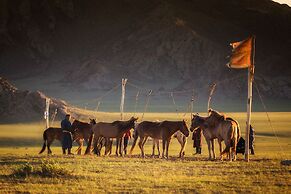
(20, 144)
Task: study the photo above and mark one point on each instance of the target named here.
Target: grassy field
(20, 143)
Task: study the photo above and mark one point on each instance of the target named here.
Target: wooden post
(54, 116)
(251, 71)
(123, 83)
(192, 105)
(136, 101)
(212, 88)
(46, 113)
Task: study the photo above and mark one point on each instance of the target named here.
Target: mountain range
(60, 46)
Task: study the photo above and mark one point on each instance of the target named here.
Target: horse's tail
(231, 141)
(134, 141)
(88, 149)
(238, 132)
(237, 127)
(44, 143)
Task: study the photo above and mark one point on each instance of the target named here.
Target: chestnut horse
(115, 129)
(226, 130)
(210, 132)
(82, 132)
(158, 130)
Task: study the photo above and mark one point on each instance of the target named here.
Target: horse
(158, 130)
(115, 129)
(225, 129)
(49, 135)
(78, 129)
(199, 122)
(182, 139)
(82, 132)
(209, 133)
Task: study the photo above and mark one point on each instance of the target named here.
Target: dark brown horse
(81, 132)
(49, 135)
(158, 130)
(115, 129)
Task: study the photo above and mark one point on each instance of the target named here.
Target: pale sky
(288, 2)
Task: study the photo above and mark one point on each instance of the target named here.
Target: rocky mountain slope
(25, 106)
(92, 44)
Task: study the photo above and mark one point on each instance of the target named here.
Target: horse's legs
(183, 147)
(95, 144)
(154, 144)
(120, 146)
(233, 151)
(80, 143)
(164, 147)
(49, 142)
(144, 141)
(229, 152)
(140, 145)
(209, 151)
(182, 142)
(158, 146)
(220, 148)
(212, 148)
(167, 148)
(117, 144)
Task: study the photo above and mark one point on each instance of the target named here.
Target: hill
(90, 45)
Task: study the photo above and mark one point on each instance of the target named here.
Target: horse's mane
(217, 114)
(125, 124)
(78, 123)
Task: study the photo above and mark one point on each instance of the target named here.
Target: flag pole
(249, 101)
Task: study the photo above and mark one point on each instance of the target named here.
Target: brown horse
(158, 130)
(110, 130)
(182, 139)
(82, 132)
(49, 135)
(209, 133)
(226, 130)
(79, 130)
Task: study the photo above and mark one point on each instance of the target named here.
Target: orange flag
(241, 56)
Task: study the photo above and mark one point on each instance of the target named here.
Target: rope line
(269, 120)
(146, 105)
(136, 102)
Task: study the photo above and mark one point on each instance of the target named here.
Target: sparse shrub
(24, 170)
(53, 169)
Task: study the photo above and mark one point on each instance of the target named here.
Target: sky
(288, 2)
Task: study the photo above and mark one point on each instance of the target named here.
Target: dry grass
(264, 174)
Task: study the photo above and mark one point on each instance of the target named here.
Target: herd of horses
(101, 134)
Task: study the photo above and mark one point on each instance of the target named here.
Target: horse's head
(184, 129)
(214, 118)
(132, 121)
(92, 121)
(196, 122)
